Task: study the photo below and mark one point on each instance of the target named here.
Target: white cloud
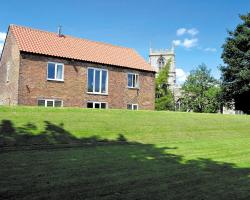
(181, 75)
(2, 36)
(188, 43)
(192, 31)
(210, 49)
(176, 42)
(181, 31)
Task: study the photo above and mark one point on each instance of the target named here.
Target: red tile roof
(48, 43)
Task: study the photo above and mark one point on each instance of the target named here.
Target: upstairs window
(97, 81)
(99, 105)
(133, 80)
(132, 106)
(55, 71)
(50, 103)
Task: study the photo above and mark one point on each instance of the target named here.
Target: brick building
(51, 69)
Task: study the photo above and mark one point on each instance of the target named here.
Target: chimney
(59, 31)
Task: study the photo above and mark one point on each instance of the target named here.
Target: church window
(161, 62)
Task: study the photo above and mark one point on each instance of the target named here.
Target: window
(133, 80)
(161, 62)
(50, 103)
(55, 71)
(41, 103)
(57, 103)
(97, 81)
(132, 106)
(99, 105)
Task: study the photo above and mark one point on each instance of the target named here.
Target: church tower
(158, 59)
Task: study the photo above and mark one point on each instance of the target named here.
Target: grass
(119, 154)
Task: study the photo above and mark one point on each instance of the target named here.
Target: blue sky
(198, 28)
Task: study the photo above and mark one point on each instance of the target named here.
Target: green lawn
(118, 154)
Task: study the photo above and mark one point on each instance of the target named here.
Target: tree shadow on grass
(53, 136)
(108, 169)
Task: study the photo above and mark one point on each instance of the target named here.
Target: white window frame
(56, 64)
(132, 105)
(100, 84)
(136, 86)
(46, 101)
(97, 102)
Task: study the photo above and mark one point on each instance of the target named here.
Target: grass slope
(120, 154)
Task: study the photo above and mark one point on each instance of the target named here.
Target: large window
(133, 80)
(132, 106)
(100, 105)
(55, 71)
(97, 81)
(50, 103)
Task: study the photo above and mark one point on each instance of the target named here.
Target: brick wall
(10, 57)
(33, 84)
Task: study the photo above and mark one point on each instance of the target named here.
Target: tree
(164, 98)
(236, 72)
(200, 92)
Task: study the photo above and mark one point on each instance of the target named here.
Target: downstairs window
(50, 103)
(132, 106)
(98, 105)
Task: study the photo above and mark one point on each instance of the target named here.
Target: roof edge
(67, 58)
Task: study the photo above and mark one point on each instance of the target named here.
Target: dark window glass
(134, 80)
(130, 80)
(135, 107)
(49, 103)
(97, 80)
(103, 105)
(58, 103)
(104, 81)
(132, 106)
(129, 106)
(41, 103)
(97, 105)
(90, 105)
(51, 71)
(90, 80)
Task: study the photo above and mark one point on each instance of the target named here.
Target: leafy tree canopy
(236, 72)
(200, 92)
(164, 98)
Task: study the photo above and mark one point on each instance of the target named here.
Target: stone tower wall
(154, 56)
